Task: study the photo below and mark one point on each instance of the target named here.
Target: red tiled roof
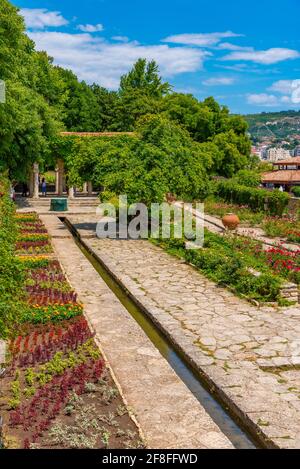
(291, 161)
(284, 176)
(96, 134)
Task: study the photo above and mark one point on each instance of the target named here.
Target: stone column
(31, 184)
(90, 188)
(35, 181)
(71, 194)
(85, 187)
(56, 180)
(61, 169)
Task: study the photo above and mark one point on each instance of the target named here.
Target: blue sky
(247, 57)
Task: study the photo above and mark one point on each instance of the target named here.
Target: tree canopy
(180, 142)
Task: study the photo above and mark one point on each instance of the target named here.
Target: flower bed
(228, 260)
(33, 247)
(40, 313)
(59, 394)
(32, 237)
(56, 391)
(35, 262)
(284, 262)
(28, 217)
(31, 227)
(245, 214)
(283, 227)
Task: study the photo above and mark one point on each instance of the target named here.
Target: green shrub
(296, 191)
(246, 177)
(11, 271)
(266, 286)
(274, 202)
(226, 260)
(217, 266)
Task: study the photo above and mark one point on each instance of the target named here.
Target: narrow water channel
(218, 414)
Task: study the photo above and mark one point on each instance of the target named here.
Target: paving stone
(167, 412)
(266, 334)
(2, 351)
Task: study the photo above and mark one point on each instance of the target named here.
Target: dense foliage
(33, 90)
(296, 191)
(283, 227)
(11, 272)
(273, 202)
(198, 138)
(246, 177)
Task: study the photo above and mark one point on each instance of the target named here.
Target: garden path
(167, 412)
(215, 224)
(251, 355)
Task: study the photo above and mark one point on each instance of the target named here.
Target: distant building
(286, 174)
(255, 151)
(259, 151)
(277, 154)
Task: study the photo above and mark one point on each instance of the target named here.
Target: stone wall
(294, 205)
(290, 292)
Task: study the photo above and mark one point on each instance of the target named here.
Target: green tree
(141, 92)
(81, 109)
(229, 159)
(144, 76)
(249, 178)
(107, 108)
(27, 118)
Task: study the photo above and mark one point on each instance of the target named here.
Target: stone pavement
(2, 351)
(79, 205)
(250, 355)
(167, 412)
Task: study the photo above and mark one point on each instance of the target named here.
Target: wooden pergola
(60, 179)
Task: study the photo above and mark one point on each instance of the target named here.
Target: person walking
(44, 187)
(25, 189)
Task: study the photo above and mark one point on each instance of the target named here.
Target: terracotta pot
(170, 197)
(230, 221)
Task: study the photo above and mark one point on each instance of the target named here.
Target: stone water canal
(248, 353)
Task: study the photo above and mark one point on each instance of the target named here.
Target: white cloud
(200, 39)
(288, 93)
(234, 47)
(95, 60)
(282, 86)
(270, 56)
(219, 81)
(263, 99)
(90, 28)
(289, 88)
(40, 18)
(120, 38)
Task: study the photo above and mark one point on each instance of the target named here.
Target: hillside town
(266, 151)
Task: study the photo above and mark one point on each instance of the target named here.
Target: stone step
(74, 202)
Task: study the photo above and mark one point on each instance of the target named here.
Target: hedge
(296, 191)
(11, 272)
(273, 202)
